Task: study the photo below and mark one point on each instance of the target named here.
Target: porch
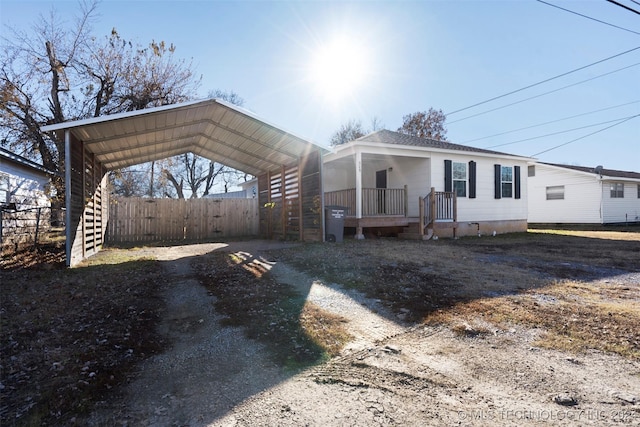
(389, 207)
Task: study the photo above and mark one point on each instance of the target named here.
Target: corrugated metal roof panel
(211, 128)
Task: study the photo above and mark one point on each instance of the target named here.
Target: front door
(381, 186)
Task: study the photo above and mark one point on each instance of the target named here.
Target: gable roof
(612, 173)
(13, 158)
(211, 128)
(385, 136)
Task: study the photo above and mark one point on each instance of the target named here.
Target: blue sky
(412, 55)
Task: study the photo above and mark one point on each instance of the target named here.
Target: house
(23, 184)
(24, 198)
(249, 190)
(582, 195)
(423, 187)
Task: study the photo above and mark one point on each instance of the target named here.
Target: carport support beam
(67, 195)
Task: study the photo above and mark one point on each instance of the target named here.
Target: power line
(624, 6)
(561, 132)
(550, 122)
(544, 81)
(543, 94)
(588, 17)
(585, 136)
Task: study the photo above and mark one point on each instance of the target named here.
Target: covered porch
(385, 187)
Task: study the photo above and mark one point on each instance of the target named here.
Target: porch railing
(438, 206)
(375, 201)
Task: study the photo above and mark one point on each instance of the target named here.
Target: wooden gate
(173, 220)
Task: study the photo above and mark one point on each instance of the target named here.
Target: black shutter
(472, 179)
(448, 176)
(497, 181)
(516, 180)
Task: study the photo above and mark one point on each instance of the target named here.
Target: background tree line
(60, 71)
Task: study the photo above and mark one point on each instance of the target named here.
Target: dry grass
(325, 329)
(296, 333)
(69, 337)
(556, 282)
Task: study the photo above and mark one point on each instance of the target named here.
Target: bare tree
(425, 124)
(59, 72)
(347, 132)
(227, 95)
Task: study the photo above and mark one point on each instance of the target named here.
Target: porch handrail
(375, 201)
(437, 206)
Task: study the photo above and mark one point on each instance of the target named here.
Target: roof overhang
(212, 128)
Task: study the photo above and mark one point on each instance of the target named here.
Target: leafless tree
(425, 124)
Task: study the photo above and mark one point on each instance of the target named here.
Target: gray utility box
(334, 223)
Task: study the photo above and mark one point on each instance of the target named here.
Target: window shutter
(497, 181)
(472, 179)
(516, 181)
(448, 176)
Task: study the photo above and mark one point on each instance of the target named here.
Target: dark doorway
(381, 186)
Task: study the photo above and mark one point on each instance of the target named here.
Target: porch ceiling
(212, 128)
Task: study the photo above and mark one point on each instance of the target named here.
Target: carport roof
(210, 128)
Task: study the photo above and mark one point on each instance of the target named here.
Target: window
(617, 190)
(460, 179)
(638, 191)
(531, 170)
(555, 193)
(506, 181)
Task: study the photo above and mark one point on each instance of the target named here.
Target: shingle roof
(389, 137)
(606, 172)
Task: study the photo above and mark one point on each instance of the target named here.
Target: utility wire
(550, 122)
(544, 81)
(561, 132)
(638, 3)
(624, 6)
(585, 136)
(543, 94)
(588, 17)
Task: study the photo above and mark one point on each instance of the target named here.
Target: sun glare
(339, 68)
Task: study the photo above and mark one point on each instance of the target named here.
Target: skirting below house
(483, 227)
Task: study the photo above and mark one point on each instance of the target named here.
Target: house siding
(26, 188)
(484, 207)
(617, 210)
(582, 197)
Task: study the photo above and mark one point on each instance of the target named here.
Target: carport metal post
(67, 194)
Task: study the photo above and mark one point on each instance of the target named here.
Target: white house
(582, 195)
(23, 184)
(24, 198)
(428, 187)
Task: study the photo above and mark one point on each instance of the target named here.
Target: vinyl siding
(484, 207)
(582, 197)
(27, 188)
(620, 209)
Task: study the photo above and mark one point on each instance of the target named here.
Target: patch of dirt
(453, 332)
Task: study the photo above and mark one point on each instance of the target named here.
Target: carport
(289, 168)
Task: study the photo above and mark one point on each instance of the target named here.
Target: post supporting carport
(67, 196)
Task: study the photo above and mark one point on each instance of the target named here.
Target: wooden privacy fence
(159, 220)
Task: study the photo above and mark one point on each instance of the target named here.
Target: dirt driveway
(429, 361)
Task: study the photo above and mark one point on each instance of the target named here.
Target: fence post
(432, 206)
(1, 225)
(421, 215)
(35, 240)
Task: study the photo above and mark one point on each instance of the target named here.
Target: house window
(617, 190)
(531, 170)
(638, 191)
(555, 192)
(506, 181)
(460, 179)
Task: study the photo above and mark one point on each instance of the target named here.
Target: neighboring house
(424, 187)
(582, 195)
(249, 191)
(24, 198)
(23, 184)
